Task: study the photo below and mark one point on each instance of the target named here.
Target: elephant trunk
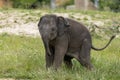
(46, 44)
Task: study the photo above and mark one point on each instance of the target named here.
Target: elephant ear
(62, 25)
(40, 21)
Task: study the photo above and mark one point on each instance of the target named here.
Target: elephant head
(50, 27)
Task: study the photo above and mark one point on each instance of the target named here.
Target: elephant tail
(99, 49)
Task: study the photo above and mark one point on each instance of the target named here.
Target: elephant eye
(53, 29)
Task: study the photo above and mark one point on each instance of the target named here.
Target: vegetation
(29, 3)
(23, 58)
(112, 5)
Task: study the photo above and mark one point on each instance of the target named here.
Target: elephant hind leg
(86, 63)
(84, 57)
(68, 62)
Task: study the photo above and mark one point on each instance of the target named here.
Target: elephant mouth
(52, 36)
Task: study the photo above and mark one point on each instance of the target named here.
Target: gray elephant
(65, 39)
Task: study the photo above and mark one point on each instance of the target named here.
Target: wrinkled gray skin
(65, 39)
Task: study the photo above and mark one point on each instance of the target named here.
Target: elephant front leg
(49, 60)
(60, 51)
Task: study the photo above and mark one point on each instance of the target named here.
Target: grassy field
(23, 58)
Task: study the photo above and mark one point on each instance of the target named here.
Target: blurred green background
(111, 5)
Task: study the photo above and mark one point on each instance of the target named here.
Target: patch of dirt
(29, 29)
(19, 23)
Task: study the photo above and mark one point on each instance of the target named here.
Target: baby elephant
(65, 39)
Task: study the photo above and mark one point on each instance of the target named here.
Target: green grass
(23, 58)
